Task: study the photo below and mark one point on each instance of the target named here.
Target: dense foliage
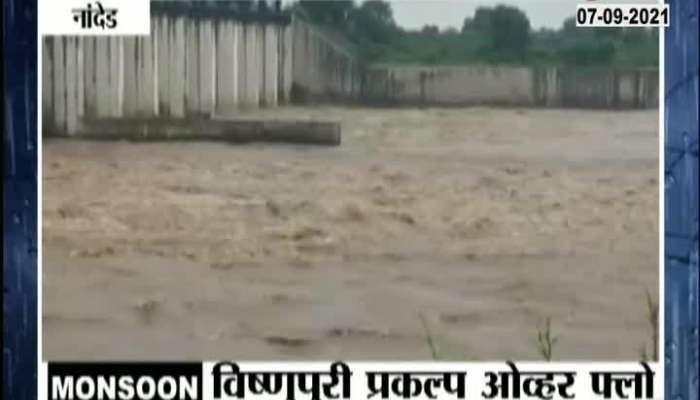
(500, 34)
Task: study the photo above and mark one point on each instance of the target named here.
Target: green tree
(569, 26)
(374, 21)
(482, 20)
(509, 30)
(430, 30)
(331, 12)
(379, 10)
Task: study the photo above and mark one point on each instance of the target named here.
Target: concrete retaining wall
(324, 67)
(198, 66)
(411, 84)
(188, 67)
(598, 87)
(510, 85)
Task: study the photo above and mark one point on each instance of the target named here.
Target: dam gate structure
(194, 65)
(200, 64)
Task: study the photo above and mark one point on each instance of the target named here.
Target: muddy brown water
(482, 221)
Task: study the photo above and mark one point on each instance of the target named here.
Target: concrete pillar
(47, 61)
(59, 84)
(89, 76)
(191, 67)
(286, 63)
(241, 63)
(641, 94)
(304, 55)
(177, 57)
(253, 67)
(116, 76)
(296, 49)
(260, 62)
(155, 109)
(553, 92)
(271, 64)
(141, 79)
(238, 54)
(122, 77)
(628, 89)
(280, 63)
(145, 75)
(71, 61)
(80, 63)
(207, 67)
(112, 95)
(130, 103)
(226, 68)
(103, 76)
(163, 67)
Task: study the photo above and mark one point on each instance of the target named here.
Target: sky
(451, 13)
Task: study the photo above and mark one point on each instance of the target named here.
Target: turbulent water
(482, 222)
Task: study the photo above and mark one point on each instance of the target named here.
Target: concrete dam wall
(189, 67)
(198, 66)
(511, 85)
(328, 68)
(325, 66)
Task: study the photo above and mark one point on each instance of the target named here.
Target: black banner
(124, 381)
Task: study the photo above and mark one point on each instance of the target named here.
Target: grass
(652, 318)
(434, 353)
(546, 340)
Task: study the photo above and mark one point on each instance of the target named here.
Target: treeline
(244, 7)
(500, 34)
